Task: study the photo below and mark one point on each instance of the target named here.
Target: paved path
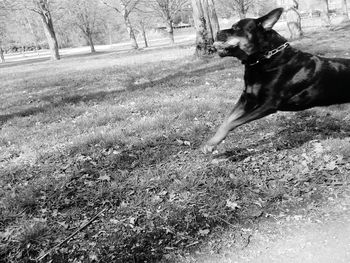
(322, 237)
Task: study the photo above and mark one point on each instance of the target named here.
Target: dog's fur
(290, 80)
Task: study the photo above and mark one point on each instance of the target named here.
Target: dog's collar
(267, 55)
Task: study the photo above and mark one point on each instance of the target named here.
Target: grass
(122, 132)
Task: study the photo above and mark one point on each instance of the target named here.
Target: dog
(277, 76)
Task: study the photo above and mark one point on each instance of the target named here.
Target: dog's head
(247, 36)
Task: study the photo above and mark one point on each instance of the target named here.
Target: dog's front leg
(246, 110)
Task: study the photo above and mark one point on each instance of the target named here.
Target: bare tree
(85, 15)
(124, 8)
(345, 12)
(167, 11)
(144, 20)
(325, 12)
(239, 6)
(142, 24)
(3, 29)
(43, 8)
(293, 18)
(262, 7)
(207, 25)
(30, 26)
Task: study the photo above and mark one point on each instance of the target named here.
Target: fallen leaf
(93, 256)
(132, 221)
(104, 178)
(331, 166)
(179, 141)
(114, 221)
(204, 232)
(232, 205)
(63, 224)
(318, 147)
(187, 143)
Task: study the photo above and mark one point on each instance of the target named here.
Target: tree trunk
(91, 43)
(130, 30)
(293, 18)
(241, 14)
(207, 25)
(345, 13)
(110, 36)
(325, 12)
(241, 10)
(2, 58)
(35, 36)
(294, 23)
(50, 34)
(171, 31)
(144, 35)
(211, 18)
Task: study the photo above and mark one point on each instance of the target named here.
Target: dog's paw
(207, 148)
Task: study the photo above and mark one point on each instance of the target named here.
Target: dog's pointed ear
(269, 20)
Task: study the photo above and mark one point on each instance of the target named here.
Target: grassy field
(121, 133)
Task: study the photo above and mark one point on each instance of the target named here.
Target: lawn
(120, 133)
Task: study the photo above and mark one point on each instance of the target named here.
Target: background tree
(167, 10)
(325, 12)
(24, 30)
(3, 29)
(2, 42)
(32, 25)
(207, 25)
(293, 18)
(113, 27)
(142, 26)
(125, 8)
(143, 22)
(43, 8)
(240, 7)
(87, 16)
(262, 7)
(345, 12)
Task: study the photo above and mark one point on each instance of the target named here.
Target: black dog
(277, 77)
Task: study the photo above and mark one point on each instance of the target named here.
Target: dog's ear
(268, 21)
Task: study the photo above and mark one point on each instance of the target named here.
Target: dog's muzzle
(218, 45)
(221, 48)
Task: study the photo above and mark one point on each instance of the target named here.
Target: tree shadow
(130, 86)
(10, 64)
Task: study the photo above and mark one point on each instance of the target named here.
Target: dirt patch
(315, 235)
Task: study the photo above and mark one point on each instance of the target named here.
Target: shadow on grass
(154, 208)
(10, 64)
(130, 86)
(293, 132)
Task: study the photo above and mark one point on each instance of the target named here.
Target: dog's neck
(271, 43)
(263, 57)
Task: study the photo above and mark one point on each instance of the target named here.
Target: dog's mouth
(223, 48)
